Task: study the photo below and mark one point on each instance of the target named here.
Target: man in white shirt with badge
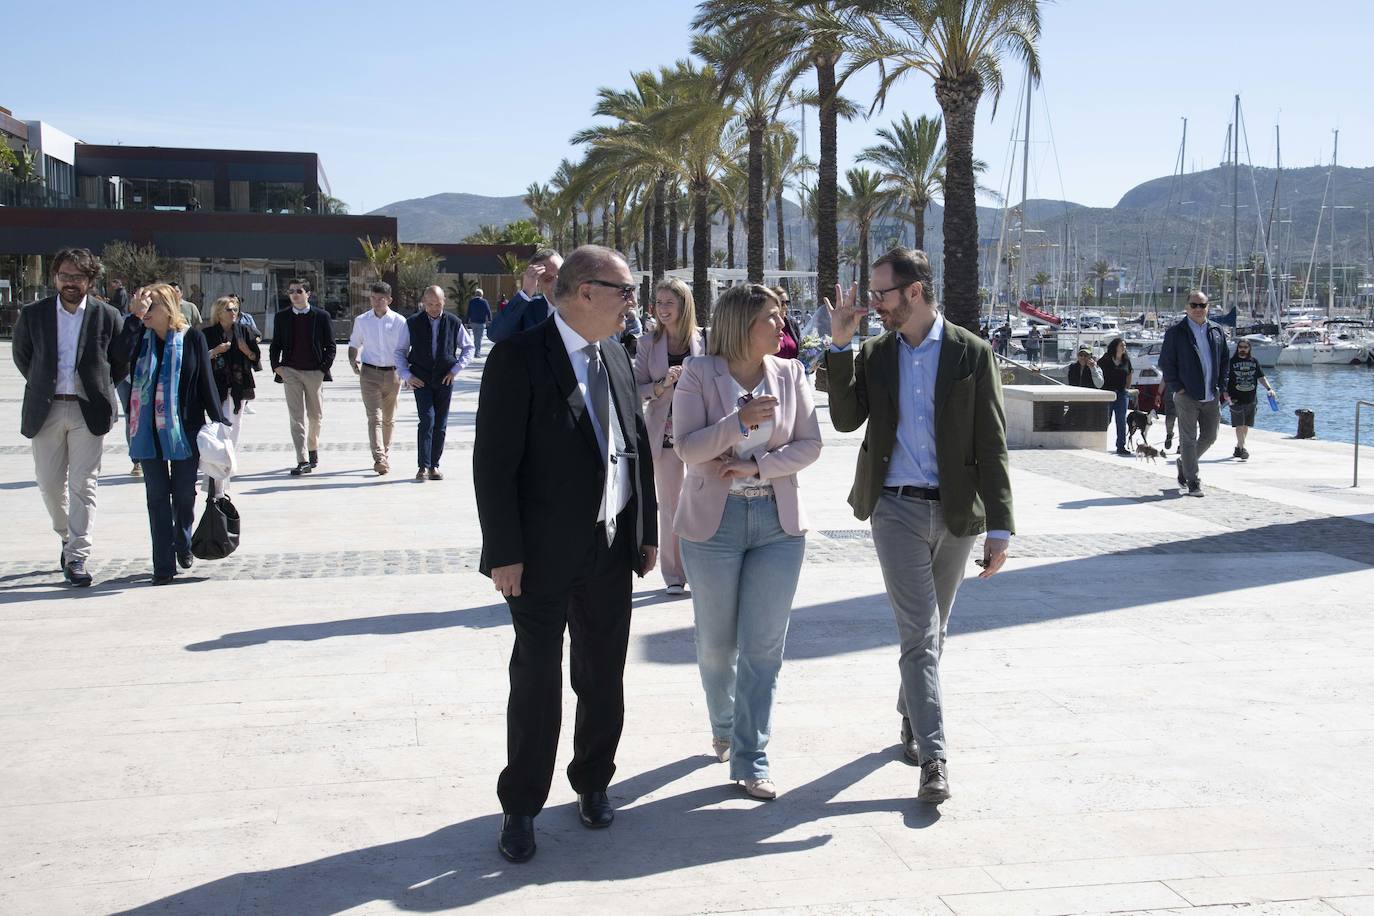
(371, 352)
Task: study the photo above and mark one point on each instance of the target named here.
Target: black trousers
(595, 609)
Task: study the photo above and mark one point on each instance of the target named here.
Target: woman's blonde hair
(165, 296)
(735, 313)
(220, 304)
(685, 328)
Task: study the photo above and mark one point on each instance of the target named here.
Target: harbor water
(1328, 391)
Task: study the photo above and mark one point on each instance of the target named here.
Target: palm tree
(1100, 272)
(730, 195)
(862, 202)
(782, 166)
(805, 35)
(537, 199)
(912, 158)
(381, 256)
(565, 185)
(1040, 281)
(758, 79)
(959, 45)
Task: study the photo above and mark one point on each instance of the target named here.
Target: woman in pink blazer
(744, 425)
(658, 365)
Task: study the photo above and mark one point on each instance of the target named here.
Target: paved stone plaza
(1162, 704)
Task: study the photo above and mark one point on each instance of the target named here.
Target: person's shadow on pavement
(459, 865)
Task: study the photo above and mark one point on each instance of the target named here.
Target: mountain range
(1183, 220)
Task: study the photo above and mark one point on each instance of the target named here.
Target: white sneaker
(675, 589)
(761, 788)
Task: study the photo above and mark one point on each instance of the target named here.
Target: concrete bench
(1057, 416)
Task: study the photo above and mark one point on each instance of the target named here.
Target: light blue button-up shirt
(1204, 352)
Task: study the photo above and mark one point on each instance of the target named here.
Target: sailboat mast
(1331, 265)
(1025, 183)
(1235, 199)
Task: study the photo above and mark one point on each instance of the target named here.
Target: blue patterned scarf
(154, 408)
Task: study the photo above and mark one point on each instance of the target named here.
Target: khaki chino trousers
(304, 402)
(380, 388)
(66, 461)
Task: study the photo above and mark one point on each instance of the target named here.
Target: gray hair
(583, 265)
(477, 292)
(439, 290)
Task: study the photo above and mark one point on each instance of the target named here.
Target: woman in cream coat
(744, 425)
(658, 365)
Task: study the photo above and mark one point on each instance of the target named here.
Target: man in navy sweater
(1195, 361)
(533, 304)
(479, 313)
(301, 354)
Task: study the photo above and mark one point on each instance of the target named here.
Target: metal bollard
(1307, 424)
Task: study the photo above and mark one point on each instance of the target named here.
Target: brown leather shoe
(420, 475)
(435, 475)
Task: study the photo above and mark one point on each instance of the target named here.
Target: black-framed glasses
(627, 290)
(231, 308)
(1197, 305)
(880, 293)
(73, 278)
(295, 292)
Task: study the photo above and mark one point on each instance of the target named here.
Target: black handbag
(217, 535)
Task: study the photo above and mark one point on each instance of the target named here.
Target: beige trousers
(304, 400)
(66, 461)
(668, 474)
(380, 387)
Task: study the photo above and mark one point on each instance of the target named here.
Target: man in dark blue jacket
(479, 314)
(533, 304)
(1195, 361)
(431, 350)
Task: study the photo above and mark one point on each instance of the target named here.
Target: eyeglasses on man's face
(295, 292)
(877, 294)
(627, 290)
(73, 278)
(1197, 305)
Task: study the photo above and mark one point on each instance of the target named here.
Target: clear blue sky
(420, 98)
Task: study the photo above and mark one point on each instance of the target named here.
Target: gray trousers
(1197, 430)
(66, 460)
(923, 565)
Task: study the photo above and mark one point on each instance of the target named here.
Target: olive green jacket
(970, 426)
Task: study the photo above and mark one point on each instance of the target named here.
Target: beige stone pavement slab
(1146, 710)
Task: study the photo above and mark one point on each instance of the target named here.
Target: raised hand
(529, 281)
(846, 314)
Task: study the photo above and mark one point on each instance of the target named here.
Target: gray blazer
(102, 360)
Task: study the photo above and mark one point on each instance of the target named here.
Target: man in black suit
(533, 304)
(567, 512)
(72, 350)
(301, 353)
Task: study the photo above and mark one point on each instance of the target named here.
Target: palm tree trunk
(827, 187)
(672, 229)
(918, 224)
(782, 230)
(730, 240)
(685, 227)
(754, 215)
(958, 100)
(577, 237)
(619, 239)
(660, 230)
(701, 250)
(863, 262)
(605, 224)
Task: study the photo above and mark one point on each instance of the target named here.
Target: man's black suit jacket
(102, 361)
(322, 328)
(537, 468)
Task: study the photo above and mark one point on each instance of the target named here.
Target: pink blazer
(651, 366)
(706, 426)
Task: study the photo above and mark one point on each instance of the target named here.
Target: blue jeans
(743, 580)
(431, 403)
(1123, 400)
(170, 487)
(479, 330)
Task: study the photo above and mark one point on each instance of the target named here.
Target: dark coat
(233, 372)
(197, 398)
(970, 426)
(322, 329)
(102, 361)
(1181, 364)
(518, 315)
(537, 469)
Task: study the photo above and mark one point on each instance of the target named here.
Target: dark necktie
(599, 387)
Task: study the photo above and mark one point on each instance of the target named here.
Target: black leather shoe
(910, 750)
(162, 580)
(934, 782)
(185, 560)
(76, 574)
(314, 459)
(303, 468)
(517, 838)
(1182, 481)
(62, 558)
(594, 810)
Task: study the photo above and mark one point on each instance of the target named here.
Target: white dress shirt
(753, 445)
(68, 336)
(375, 338)
(617, 491)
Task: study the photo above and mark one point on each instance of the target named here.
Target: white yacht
(1315, 347)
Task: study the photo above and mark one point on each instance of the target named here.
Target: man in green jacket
(932, 473)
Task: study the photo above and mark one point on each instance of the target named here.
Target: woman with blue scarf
(173, 393)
